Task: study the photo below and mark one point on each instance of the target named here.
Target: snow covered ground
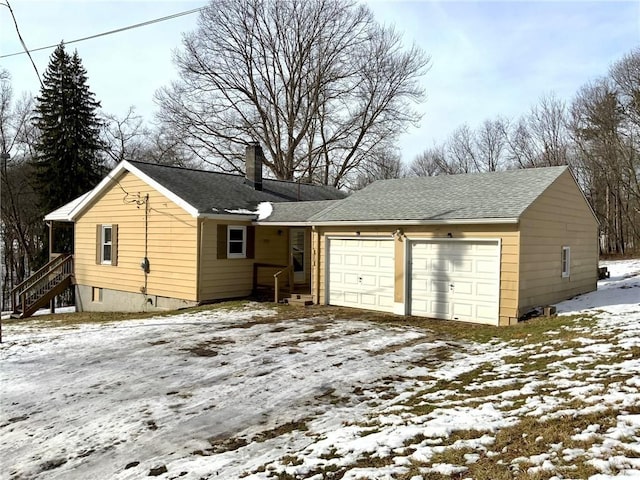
(243, 393)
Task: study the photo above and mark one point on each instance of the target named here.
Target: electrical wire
(24, 45)
(110, 32)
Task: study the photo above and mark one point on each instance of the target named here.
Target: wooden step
(300, 299)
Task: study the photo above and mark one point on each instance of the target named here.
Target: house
(158, 237)
(482, 248)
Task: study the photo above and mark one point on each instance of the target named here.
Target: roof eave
(112, 178)
(227, 216)
(282, 224)
(453, 221)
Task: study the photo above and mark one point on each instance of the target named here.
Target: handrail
(41, 272)
(42, 281)
(276, 281)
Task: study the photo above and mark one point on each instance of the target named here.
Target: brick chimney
(254, 158)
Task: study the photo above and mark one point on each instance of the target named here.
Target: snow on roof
(63, 214)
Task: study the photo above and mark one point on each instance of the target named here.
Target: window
(96, 294)
(236, 242)
(566, 262)
(107, 244)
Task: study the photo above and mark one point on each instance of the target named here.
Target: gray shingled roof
(297, 211)
(444, 197)
(213, 192)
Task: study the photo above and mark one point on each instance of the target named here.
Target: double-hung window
(107, 244)
(236, 242)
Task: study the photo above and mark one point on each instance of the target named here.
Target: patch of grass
(225, 445)
(77, 318)
(332, 453)
(291, 460)
(533, 437)
(201, 350)
(283, 429)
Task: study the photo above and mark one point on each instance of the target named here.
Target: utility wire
(26, 50)
(110, 32)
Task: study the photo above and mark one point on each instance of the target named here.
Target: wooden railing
(26, 295)
(277, 277)
(276, 281)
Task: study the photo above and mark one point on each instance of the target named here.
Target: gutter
(346, 223)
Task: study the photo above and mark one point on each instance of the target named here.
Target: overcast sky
(489, 58)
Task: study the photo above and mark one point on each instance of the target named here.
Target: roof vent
(254, 159)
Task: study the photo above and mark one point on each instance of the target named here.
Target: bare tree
(491, 143)
(429, 163)
(318, 82)
(384, 165)
(609, 163)
(124, 137)
(540, 138)
(461, 152)
(20, 222)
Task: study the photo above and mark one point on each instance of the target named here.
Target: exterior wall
(121, 301)
(560, 217)
(273, 248)
(171, 245)
(233, 277)
(507, 233)
(221, 278)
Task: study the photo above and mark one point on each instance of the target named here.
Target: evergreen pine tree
(68, 160)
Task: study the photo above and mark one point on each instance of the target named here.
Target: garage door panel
(387, 262)
(461, 310)
(351, 260)
(463, 287)
(487, 290)
(350, 279)
(462, 266)
(439, 308)
(368, 280)
(367, 272)
(471, 267)
(438, 265)
(386, 282)
(486, 266)
(335, 277)
(439, 286)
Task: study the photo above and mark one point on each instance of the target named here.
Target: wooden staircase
(42, 287)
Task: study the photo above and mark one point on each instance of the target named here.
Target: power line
(26, 50)
(110, 32)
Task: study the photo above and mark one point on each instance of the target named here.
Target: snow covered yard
(249, 393)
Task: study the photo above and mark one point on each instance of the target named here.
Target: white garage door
(455, 280)
(361, 273)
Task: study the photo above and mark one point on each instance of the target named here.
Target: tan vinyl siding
(271, 248)
(508, 234)
(225, 277)
(171, 242)
(560, 217)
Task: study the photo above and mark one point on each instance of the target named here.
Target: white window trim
(231, 228)
(103, 244)
(565, 259)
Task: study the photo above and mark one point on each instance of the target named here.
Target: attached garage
(454, 279)
(485, 248)
(360, 273)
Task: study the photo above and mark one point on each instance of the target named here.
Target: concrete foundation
(108, 300)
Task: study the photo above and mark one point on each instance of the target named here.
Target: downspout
(199, 248)
(316, 260)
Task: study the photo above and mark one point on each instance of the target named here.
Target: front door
(297, 244)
